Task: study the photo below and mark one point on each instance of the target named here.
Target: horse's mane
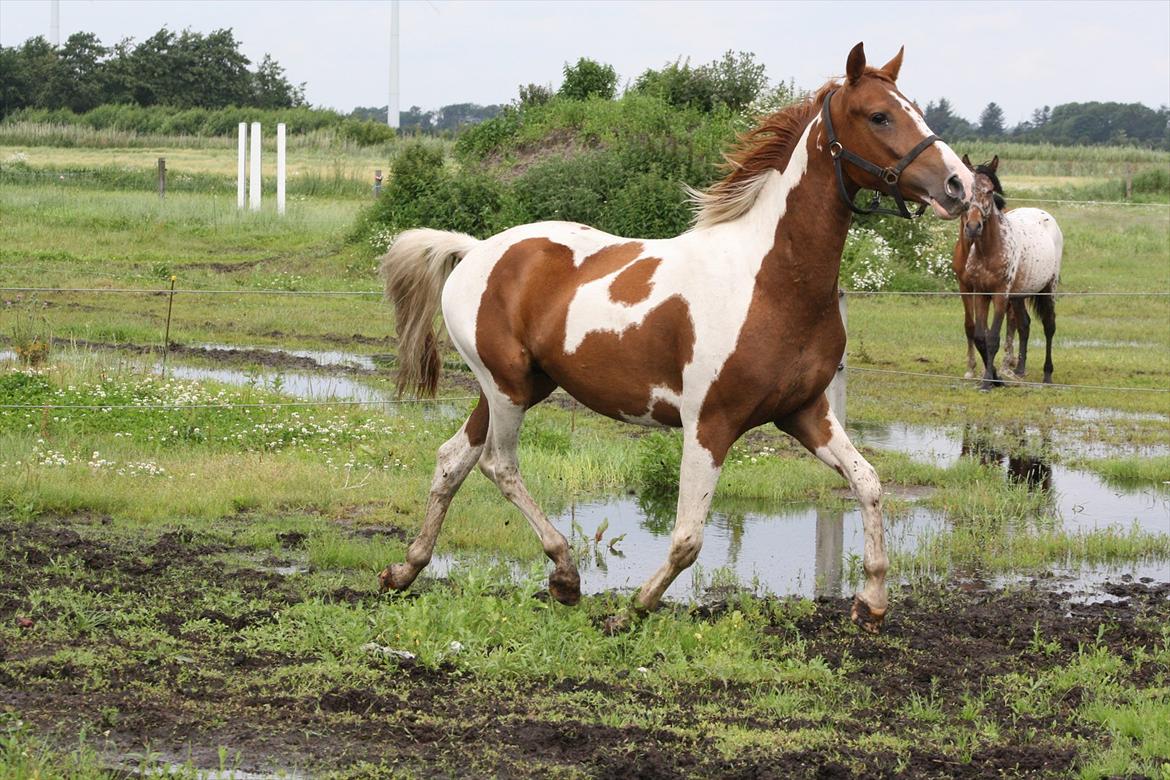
(996, 187)
(769, 146)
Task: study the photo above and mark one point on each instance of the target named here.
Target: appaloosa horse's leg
(1008, 366)
(1018, 315)
(456, 458)
(969, 327)
(987, 339)
(698, 476)
(816, 427)
(501, 465)
(1046, 311)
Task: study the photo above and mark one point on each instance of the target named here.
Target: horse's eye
(880, 119)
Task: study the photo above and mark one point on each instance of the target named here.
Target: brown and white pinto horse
(1002, 258)
(732, 325)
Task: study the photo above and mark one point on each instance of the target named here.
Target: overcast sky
(1020, 54)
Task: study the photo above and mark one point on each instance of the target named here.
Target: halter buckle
(890, 176)
(836, 149)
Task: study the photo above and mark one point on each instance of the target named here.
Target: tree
(534, 95)
(588, 78)
(944, 121)
(270, 89)
(77, 78)
(991, 121)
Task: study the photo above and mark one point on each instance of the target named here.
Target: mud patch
(191, 678)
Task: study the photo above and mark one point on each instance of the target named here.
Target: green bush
(659, 460)
(421, 192)
(588, 78)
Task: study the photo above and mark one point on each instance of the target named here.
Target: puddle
(323, 358)
(307, 387)
(810, 551)
(1096, 415)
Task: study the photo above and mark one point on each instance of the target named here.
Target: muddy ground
(182, 696)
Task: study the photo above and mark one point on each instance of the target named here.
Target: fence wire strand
(1013, 382)
(255, 405)
(163, 291)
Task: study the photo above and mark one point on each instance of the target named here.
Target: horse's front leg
(991, 344)
(979, 305)
(698, 476)
(816, 427)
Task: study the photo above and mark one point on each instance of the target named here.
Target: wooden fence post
(836, 390)
(162, 177)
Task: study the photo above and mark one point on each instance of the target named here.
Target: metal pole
(254, 176)
(242, 167)
(167, 335)
(280, 159)
(162, 178)
(836, 390)
(392, 106)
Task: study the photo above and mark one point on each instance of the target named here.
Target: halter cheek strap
(890, 176)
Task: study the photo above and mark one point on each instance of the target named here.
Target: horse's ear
(855, 65)
(892, 67)
(994, 164)
(967, 162)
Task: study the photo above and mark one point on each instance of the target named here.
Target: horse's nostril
(954, 186)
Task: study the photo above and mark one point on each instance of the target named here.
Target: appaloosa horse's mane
(997, 189)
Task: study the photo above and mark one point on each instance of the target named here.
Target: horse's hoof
(867, 619)
(969, 375)
(623, 621)
(564, 585)
(394, 578)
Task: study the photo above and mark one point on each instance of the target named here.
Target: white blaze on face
(951, 160)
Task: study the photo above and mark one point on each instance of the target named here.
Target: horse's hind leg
(1046, 311)
(456, 458)
(816, 427)
(1019, 314)
(501, 465)
(969, 327)
(1010, 360)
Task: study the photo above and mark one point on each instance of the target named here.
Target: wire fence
(166, 291)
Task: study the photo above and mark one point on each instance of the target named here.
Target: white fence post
(836, 390)
(280, 168)
(242, 166)
(254, 182)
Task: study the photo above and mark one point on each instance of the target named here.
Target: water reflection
(1024, 462)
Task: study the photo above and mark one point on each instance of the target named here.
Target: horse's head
(885, 138)
(986, 199)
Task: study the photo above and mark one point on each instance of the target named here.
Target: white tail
(415, 268)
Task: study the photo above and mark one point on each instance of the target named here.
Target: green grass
(351, 483)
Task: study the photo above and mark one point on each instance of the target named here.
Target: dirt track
(191, 696)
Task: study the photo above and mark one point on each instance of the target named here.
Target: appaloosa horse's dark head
(880, 141)
(987, 198)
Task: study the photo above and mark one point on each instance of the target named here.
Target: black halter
(888, 175)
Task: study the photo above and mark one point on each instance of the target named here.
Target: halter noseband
(890, 175)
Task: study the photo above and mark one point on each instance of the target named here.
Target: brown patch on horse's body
(520, 333)
(792, 340)
(633, 284)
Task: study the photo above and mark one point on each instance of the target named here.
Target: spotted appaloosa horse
(1004, 258)
(729, 326)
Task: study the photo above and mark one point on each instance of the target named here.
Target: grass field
(194, 587)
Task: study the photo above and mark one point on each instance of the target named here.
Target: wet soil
(193, 681)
